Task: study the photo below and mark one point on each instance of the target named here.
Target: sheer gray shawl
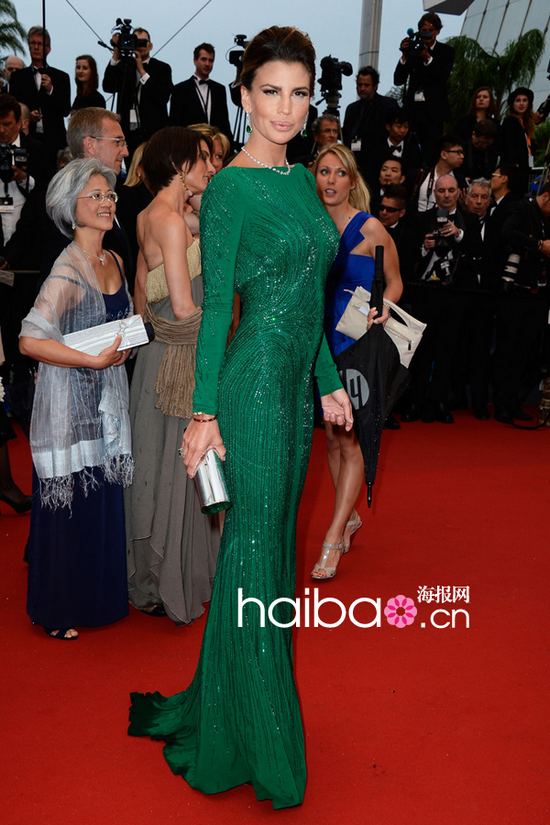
(80, 416)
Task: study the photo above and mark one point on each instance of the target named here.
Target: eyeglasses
(385, 208)
(100, 196)
(456, 151)
(118, 141)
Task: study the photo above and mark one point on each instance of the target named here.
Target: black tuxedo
(427, 116)
(365, 121)
(404, 236)
(37, 166)
(410, 157)
(186, 106)
(54, 107)
(149, 99)
(442, 307)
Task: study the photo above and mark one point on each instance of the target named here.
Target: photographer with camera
(522, 304)
(22, 166)
(365, 120)
(143, 84)
(450, 242)
(424, 67)
(200, 99)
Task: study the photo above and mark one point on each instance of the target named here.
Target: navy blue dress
(77, 562)
(348, 271)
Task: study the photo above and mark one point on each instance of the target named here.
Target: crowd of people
(115, 515)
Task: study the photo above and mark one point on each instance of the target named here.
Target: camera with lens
(235, 56)
(442, 244)
(11, 156)
(417, 42)
(128, 43)
(330, 81)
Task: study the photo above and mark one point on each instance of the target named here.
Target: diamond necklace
(266, 165)
(100, 258)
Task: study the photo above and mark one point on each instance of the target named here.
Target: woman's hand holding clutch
(337, 409)
(199, 437)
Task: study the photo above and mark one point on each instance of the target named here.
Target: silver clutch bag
(93, 340)
(210, 484)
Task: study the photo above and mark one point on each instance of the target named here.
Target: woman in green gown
(266, 236)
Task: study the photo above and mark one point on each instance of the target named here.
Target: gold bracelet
(204, 420)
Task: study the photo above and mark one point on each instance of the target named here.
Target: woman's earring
(303, 133)
(73, 225)
(249, 124)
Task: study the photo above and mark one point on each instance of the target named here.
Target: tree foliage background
(474, 67)
(12, 33)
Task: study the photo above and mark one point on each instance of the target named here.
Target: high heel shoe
(352, 526)
(321, 572)
(22, 506)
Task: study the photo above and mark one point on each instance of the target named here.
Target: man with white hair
(11, 64)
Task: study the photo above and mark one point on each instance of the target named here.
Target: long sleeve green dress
(267, 237)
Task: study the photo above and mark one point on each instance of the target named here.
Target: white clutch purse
(405, 332)
(353, 322)
(95, 339)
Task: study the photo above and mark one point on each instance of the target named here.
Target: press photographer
(522, 306)
(424, 68)
(142, 83)
(22, 166)
(450, 241)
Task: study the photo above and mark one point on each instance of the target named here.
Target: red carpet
(404, 725)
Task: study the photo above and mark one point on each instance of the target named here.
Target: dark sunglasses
(384, 208)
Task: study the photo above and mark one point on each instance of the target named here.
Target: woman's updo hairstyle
(284, 43)
(166, 152)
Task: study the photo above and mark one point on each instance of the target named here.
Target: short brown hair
(165, 153)
(203, 47)
(285, 43)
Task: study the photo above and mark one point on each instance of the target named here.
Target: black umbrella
(374, 378)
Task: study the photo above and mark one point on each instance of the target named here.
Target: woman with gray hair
(80, 434)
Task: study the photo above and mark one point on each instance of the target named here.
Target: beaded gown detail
(267, 237)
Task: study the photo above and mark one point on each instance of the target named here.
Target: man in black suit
(365, 119)
(398, 142)
(143, 85)
(481, 151)
(449, 242)
(199, 99)
(47, 93)
(392, 214)
(426, 71)
(522, 304)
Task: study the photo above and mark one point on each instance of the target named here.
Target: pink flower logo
(400, 611)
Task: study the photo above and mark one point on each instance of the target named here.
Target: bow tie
(203, 82)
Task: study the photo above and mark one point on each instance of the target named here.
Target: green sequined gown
(267, 237)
